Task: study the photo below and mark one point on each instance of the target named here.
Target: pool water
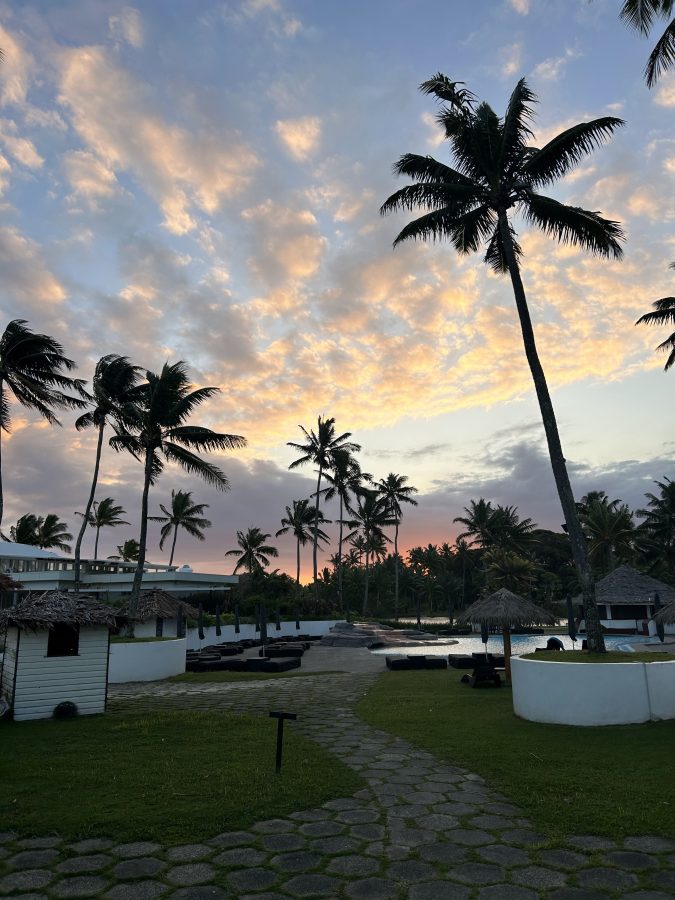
(520, 644)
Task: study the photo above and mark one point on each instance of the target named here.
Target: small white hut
(55, 650)
(160, 614)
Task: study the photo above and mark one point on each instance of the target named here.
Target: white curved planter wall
(593, 693)
(146, 660)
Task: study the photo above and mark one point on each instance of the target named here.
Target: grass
(612, 656)
(171, 777)
(615, 780)
(204, 677)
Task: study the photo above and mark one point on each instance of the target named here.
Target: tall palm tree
(128, 551)
(104, 514)
(395, 490)
(345, 480)
(640, 15)
(46, 532)
(508, 569)
(479, 522)
(300, 521)
(318, 450)
(611, 532)
(32, 369)
(114, 377)
(499, 174)
(659, 524)
(663, 313)
(253, 552)
(372, 515)
(155, 431)
(183, 514)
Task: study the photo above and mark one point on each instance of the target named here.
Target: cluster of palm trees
(150, 417)
(366, 508)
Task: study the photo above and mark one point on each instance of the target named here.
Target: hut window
(64, 640)
(159, 630)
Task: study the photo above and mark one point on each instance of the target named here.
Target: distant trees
(47, 533)
(182, 514)
(253, 554)
(104, 514)
(300, 521)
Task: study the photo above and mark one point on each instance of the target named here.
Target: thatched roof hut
(158, 604)
(506, 610)
(625, 586)
(50, 608)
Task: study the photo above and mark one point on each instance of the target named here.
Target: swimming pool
(520, 644)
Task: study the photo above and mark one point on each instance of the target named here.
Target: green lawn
(614, 781)
(173, 777)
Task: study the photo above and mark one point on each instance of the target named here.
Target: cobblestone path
(422, 830)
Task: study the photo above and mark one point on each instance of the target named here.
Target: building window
(64, 640)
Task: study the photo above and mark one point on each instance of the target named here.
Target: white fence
(146, 660)
(248, 632)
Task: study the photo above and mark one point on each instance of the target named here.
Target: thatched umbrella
(504, 610)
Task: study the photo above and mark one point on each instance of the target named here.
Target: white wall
(248, 632)
(44, 681)
(146, 660)
(592, 693)
(8, 663)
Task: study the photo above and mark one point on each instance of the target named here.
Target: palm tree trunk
(316, 540)
(365, 587)
(596, 641)
(90, 503)
(98, 531)
(2, 499)
(340, 597)
(142, 540)
(297, 552)
(173, 543)
(396, 572)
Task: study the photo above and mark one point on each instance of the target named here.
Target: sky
(202, 181)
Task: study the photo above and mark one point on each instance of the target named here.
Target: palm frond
(662, 56)
(495, 256)
(640, 14)
(563, 152)
(576, 226)
(516, 130)
(205, 438)
(195, 465)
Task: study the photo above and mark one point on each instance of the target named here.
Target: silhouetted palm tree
(183, 514)
(155, 430)
(32, 368)
(372, 515)
(663, 314)
(114, 377)
(47, 533)
(104, 514)
(253, 552)
(396, 490)
(611, 532)
(498, 174)
(318, 450)
(128, 551)
(300, 521)
(345, 480)
(659, 524)
(641, 15)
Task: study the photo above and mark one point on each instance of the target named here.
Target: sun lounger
(271, 665)
(397, 663)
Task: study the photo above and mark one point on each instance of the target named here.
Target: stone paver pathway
(422, 829)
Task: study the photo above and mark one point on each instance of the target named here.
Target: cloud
(127, 26)
(22, 149)
(665, 93)
(511, 59)
(187, 171)
(287, 243)
(16, 71)
(300, 137)
(89, 177)
(26, 283)
(522, 7)
(551, 69)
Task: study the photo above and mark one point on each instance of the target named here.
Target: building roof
(625, 585)
(504, 609)
(666, 616)
(10, 550)
(37, 611)
(158, 604)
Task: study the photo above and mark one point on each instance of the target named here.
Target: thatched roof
(625, 585)
(666, 616)
(504, 609)
(158, 604)
(51, 608)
